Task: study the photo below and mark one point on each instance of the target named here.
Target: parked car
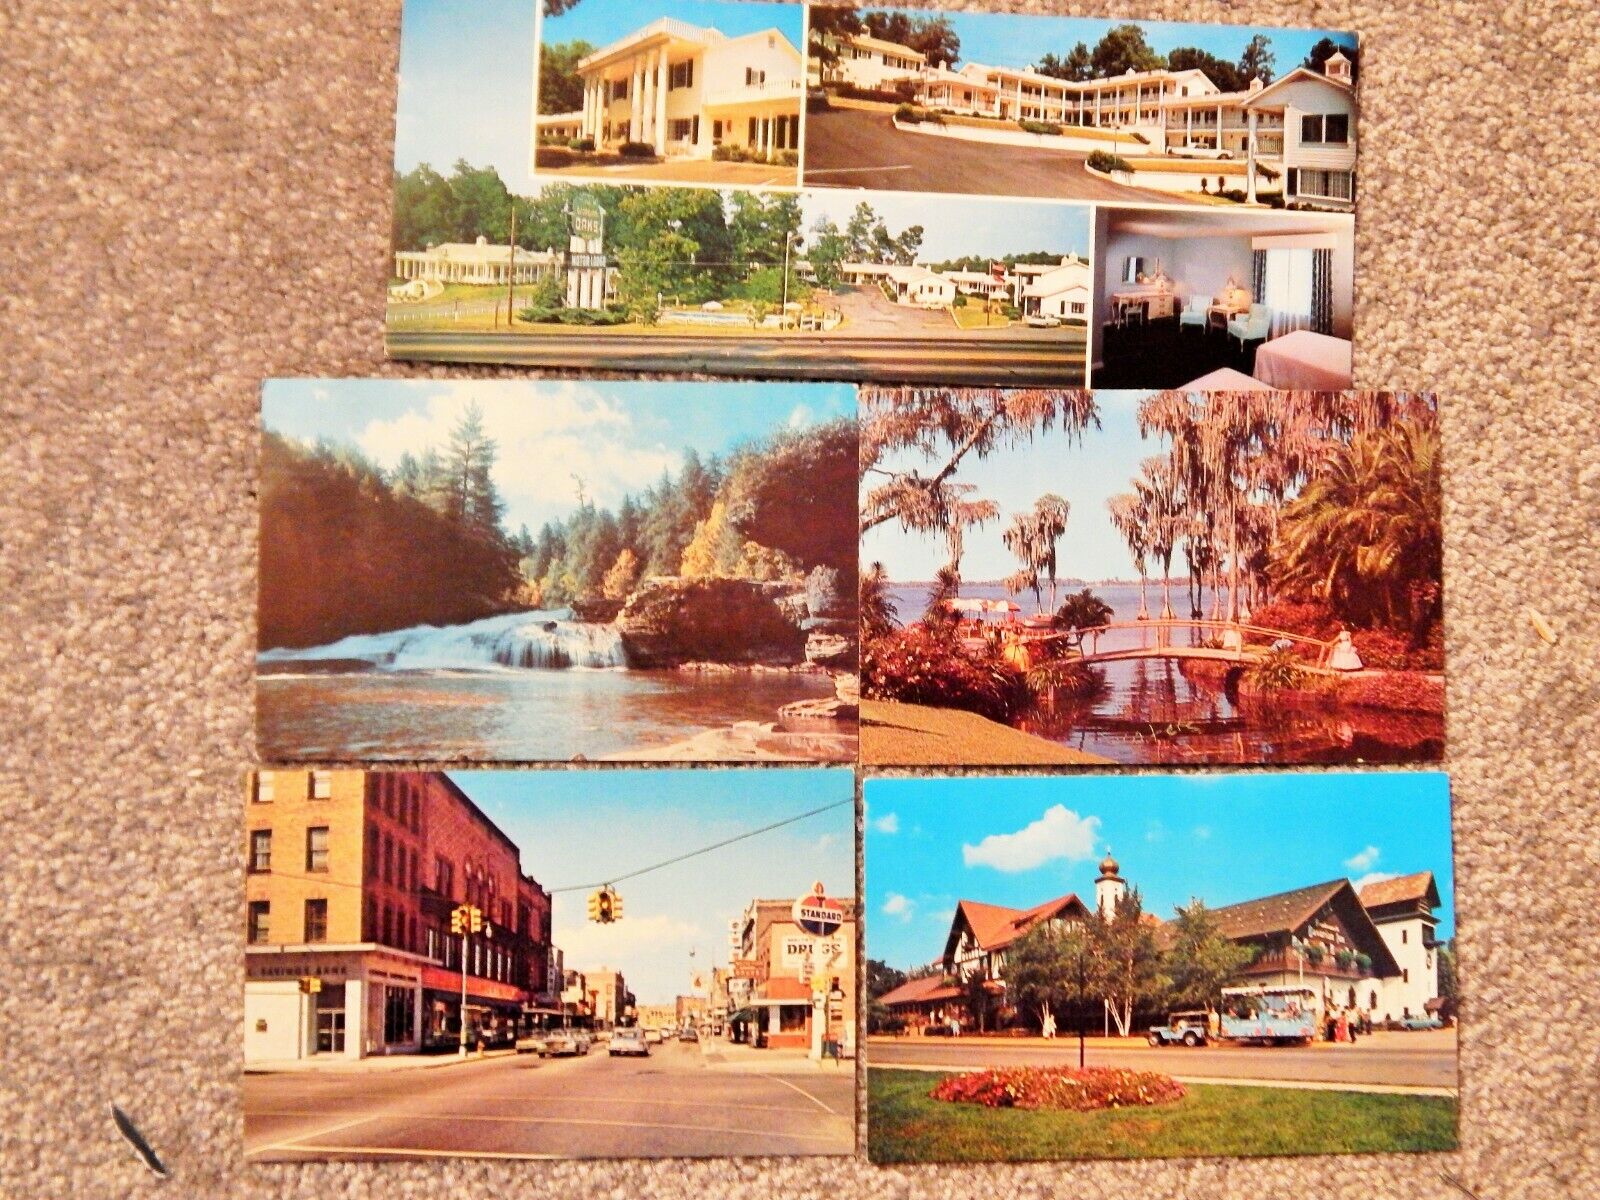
(1420, 1022)
(1041, 321)
(1186, 1028)
(628, 1041)
(653, 1036)
(689, 1034)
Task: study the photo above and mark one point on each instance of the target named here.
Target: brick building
(802, 987)
(351, 878)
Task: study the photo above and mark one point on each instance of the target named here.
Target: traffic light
(608, 912)
(476, 916)
(616, 905)
(457, 922)
(594, 906)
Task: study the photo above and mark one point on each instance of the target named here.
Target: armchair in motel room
(1194, 313)
(1251, 326)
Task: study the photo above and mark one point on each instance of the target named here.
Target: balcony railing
(1289, 962)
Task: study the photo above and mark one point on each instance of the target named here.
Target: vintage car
(1187, 1028)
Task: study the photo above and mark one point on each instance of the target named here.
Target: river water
(522, 687)
(1148, 712)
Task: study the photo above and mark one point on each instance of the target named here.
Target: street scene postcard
(470, 571)
(1075, 967)
(549, 964)
(780, 191)
(1054, 576)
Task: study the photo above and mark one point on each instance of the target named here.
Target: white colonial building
(1059, 290)
(686, 89)
(481, 261)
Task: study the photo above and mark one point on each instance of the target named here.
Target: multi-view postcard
(890, 196)
(459, 571)
(549, 964)
(1097, 966)
(1059, 576)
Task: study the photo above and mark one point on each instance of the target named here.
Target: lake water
(522, 687)
(1148, 712)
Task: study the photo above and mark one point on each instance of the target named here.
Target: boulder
(828, 708)
(831, 651)
(671, 621)
(596, 609)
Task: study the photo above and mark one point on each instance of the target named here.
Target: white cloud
(898, 906)
(1202, 833)
(1372, 877)
(801, 416)
(825, 841)
(940, 916)
(544, 439)
(888, 823)
(1155, 832)
(1059, 833)
(1364, 861)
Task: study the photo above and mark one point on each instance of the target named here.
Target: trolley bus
(1274, 1015)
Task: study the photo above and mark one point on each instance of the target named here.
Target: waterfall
(543, 640)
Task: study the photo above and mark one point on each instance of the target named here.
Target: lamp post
(465, 919)
(791, 239)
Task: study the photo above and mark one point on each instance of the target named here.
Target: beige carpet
(196, 195)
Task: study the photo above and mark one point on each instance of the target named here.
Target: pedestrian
(1355, 1025)
(1341, 1028)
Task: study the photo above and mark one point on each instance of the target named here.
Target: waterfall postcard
(1160, 966)
(464, 571)
(1180, 577)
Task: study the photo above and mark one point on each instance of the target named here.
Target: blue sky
(1223, 838)
(1018, 40)
(1086, 474)
(616, 436)
(583, 827)
(599, 22)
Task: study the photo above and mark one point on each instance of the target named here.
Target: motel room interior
(1231, 300)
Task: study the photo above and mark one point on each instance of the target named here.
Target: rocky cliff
(670, 621)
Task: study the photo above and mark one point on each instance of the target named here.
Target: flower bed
(1067, 1088)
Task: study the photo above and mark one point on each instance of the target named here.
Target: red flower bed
(917, 665)
(1066, 1088)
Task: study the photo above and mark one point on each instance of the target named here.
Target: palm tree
(1365, 533)
(877, 608)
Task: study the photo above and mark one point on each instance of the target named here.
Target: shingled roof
(913, 991)
(996, 926)
(1276, 913)
(1403, 889)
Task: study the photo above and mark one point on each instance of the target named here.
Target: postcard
(611, 963)
(1097, 966)
(458, 571)
(1072, 577)
(1083, 108)
(1204, 300)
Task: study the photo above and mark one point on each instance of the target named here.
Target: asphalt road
(1392, 1059)
(859, 148)
(671, 1104)
(1001, 356)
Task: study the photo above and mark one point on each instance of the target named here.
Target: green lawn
(904, 1125)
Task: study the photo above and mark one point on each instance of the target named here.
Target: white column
(1250, 160)
(355, 1017)
(1219, 127)
(1188, 127)
(661, 101)
(647, 100)
(635, 106)
(587, 117)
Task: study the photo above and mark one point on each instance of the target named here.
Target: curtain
(1288, 290)
(1322, 291)
(1258, 276)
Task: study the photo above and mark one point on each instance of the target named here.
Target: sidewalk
(736, 1056)
(330, 1064)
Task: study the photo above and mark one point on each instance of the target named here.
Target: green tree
(560, 89)
(469, 492)
(1033, 537)
(1082, 610)
(1132, 972)
(483, 203)
(828, 23)
(858, 231)
(1035, 972)
(425, 209)
(1255, 62)
(1077, 66)
(827, 251)
(1200, 961)
(1123, 49)
(878, 610)
(1221, 72)
(622, 578)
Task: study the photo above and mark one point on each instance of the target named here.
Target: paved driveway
(869, 313)
(861, 148)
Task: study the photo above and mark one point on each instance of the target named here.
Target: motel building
(1059, 290)
(801, 983)
(351, 877)
(481, 261)
(1373, 950)
(686, 89)
(868, 62)
(1299, 129)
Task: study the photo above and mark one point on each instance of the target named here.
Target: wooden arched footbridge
(1172, 638)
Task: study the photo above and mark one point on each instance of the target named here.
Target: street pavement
(1385, 1060)
(684, 1100)
(1001, 356)
(861, 148)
